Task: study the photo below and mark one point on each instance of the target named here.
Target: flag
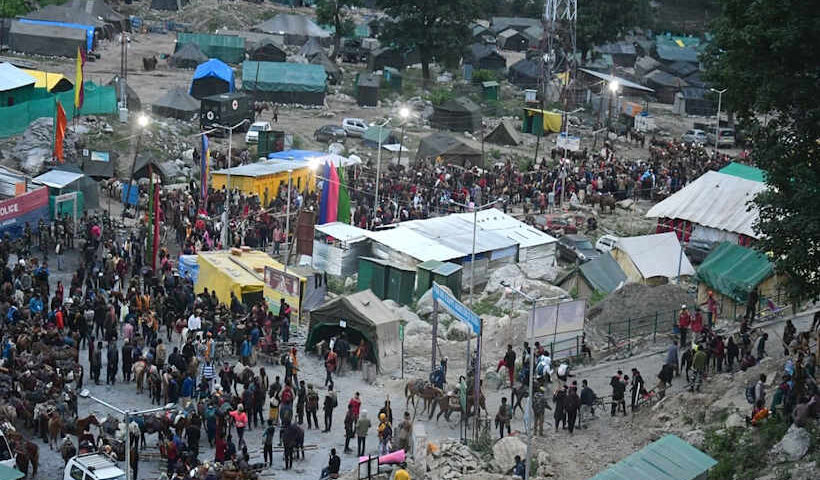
(59, 133)
(333, 196)
(325, 193)
(155, 246)
(343, 214)
(78, 80)
(204, 160)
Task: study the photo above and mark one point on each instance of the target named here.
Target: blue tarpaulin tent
(188, 267)
(212, 78)
(89, 29)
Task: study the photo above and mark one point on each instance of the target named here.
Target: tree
(601, 21)
(435, 29)
(337, 13)
(765, 53)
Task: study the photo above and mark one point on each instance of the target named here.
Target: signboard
(401, 332)
(644, 123)
(100, 157)
(26, 208)
(456, 308)
(573, 144)
(564, 317)
(282, 282)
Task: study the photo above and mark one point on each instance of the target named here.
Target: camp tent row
(285, 82)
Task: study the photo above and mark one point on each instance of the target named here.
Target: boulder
(794, 445)
(424, 305)
(458, 331)
(735, 420)
(506, 449)
(695, 437)
(543, 269)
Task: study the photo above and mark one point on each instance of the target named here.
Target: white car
(92, 466)
(253, 132)
(6, 454)
(606, 243)
(695, 136)
(354, 127)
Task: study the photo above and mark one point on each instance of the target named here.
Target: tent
(228, 48)
(601, 275)
(512, 39)
(367, 89)
(333, 71)
(391, 57)
(188, 56)
(268, 52)
(176, 103)
(459, 114)
(360, 316)
(449, 149)
(89, 29)
(485, 57)
(16, 86)
(652, 259)
(504, 134)
(212, 78)
(296, 29)
(219, 274)
(524, 74)
(285, 82)
(53, 82)
(734, 271)
(744, 171)
(370, 138)
(50, 40)
(132, 99)
(99, 165)
(664, 84)
(310, 48)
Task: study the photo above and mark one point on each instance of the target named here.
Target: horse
(139, 368)
(259, 107)
(67, 449)
(27, 454)
(428, 392)
(83, 424)
(606, 201)
(149, 63)
(55, 429)
(447, 404)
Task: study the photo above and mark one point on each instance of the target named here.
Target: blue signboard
(456, 308)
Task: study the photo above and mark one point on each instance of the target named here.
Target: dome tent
(211, 78)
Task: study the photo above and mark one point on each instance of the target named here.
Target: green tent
(744, 171)
(734, 271)
(228, 48)
(285, 82)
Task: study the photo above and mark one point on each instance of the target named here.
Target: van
(606, 243)
(92, 466)
(727, 137)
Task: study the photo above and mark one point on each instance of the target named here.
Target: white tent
(646, 257)
(717, 204)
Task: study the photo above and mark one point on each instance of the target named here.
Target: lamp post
(531, 341)
(287, 222)
(613, 87)
(126, 415)
(225, 215)
(142, 121)
(404, 113)
(717, 122)
(378, 171)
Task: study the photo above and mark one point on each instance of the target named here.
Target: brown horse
(447, 404)
(27, 453)
(139, 375)
(55, 429)
(423, 389)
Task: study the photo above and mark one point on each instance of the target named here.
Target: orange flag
(59, 133)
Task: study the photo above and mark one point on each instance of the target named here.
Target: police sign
(456, 308)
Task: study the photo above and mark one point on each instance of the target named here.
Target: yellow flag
(78, 80)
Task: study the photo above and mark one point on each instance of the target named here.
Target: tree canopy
(337, 13)
(601, 21)
(767, 57)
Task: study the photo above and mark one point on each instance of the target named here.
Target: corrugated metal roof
(715, 200)
(656, 255)
(675, 53)
(261, 169)
(58, 178)
(12, 77)
(414, 244)
(457, 234)
(623, 82)
(494, 220)
(342, 231)
(603, 273)
(669, 458)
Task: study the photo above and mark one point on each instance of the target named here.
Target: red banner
(20, 205)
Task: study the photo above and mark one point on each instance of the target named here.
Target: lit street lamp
(143, 121)
(613, 86)
(225, 215)
(126, 415)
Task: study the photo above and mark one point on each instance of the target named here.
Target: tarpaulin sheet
(89, 29)
(283, 77)
(734, 271)
(228, 48)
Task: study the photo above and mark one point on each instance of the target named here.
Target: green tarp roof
(734, 271)
(668, 458)
(283, 77)
(228, 48)
(744, 171)
(603, 273)
(372, 134)
(8, 473)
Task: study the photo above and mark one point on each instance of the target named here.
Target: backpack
(750, 394)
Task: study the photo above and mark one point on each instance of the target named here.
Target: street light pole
(287, 222)
(142, 122)
(717, 122)
(378, 171)
(226, 212)
(405, 115)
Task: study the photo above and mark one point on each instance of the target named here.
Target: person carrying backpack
(312, 407)
(329, 404)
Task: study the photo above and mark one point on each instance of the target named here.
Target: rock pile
(452, 461)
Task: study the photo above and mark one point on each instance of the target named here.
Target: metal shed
(367, 90)
(669, 458)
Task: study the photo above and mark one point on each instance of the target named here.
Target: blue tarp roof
(188, 267)
(214, 68)
(89, 29)
(669, 458)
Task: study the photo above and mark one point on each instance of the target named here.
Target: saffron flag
(325, 192)
(333, 196)
(78, 80)
(59, 133)
(343, 214)
(204, 160)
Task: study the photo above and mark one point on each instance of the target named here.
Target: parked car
(698, 250)
(694, 136)
(354, 127)
(92, 466)
(727, 137)
(606, 243)
(330, 133)
(6, 454)
(253, 132)
(576, 247)
(555, 225)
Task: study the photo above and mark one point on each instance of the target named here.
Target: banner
(284, 283)
(456, 308)
(573, 144)
(567, 316)
(29, 207)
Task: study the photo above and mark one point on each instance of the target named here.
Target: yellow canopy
(218, 273)
(47, 80)
(255, 261)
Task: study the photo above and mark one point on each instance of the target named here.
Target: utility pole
(717, 120)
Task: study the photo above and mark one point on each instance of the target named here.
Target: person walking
(385, 431)
(301, 400)
(636, 388)
(405, 433)
(503, 417)
(312, 407)
(587, 403)
(560, 414)
(761, 346)
(618, 390)
(240, 419)
(684, 320)
(672, 357)
(509, 362)
(699, 362)
(96, 363)
(267, 449)
(350, 427)
(113, 363)
(539, 407)
(328, 405)
(362, 426)
(571, 404)
(331, 361)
